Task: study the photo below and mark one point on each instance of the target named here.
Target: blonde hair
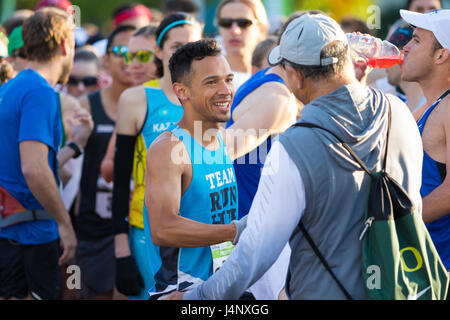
(257, 8)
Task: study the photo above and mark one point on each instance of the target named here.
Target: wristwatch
(72, 145)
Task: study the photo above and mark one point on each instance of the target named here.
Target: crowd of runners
(156, 163)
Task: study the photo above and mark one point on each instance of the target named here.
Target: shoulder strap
(352, 153)
(322, 260)
(364, 167)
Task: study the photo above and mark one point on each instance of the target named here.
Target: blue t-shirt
(28, 112)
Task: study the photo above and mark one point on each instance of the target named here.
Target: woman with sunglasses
(139, 57)
(144, 113)
(242, 25)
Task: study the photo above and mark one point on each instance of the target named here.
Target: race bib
(220, 253)
(103, 203)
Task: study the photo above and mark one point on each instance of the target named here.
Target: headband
(173, 24)
(137, 11)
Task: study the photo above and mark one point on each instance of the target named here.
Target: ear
(65, 47)
(158, 52)
(442, 56)
(295, 77)
(181, 91)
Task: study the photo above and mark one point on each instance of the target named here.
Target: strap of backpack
(322, 260)
(352, 153)
(388, 133)
(364, 167)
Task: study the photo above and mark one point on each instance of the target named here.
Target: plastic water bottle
(378, 53)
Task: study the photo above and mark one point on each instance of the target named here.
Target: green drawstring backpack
(399, 260)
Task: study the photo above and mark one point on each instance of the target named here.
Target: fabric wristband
(72, 145)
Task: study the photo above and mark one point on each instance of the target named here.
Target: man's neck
(204, 132)
(49, 71)
(434, 87)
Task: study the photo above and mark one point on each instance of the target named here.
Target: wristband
(72, 145)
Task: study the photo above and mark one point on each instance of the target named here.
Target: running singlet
(161, 113)
(211, 198)
(433, 174)
(95, 216)
(248, 168)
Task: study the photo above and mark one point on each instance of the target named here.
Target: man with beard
(32, 212)
(95, 254)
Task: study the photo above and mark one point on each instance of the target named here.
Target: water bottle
(377, 53)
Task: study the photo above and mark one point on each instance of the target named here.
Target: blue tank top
(161, 114)
(433, 174)
(248, 168)
(211, 198)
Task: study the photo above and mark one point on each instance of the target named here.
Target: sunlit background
(99, 12)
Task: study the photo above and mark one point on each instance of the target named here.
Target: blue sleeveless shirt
(161, 114)
(248, 168)
(211, 198)
(433, 174)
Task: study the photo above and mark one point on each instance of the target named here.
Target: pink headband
(139, 10)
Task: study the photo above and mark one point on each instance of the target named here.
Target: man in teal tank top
(191, 203)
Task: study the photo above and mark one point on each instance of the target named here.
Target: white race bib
(220, 253)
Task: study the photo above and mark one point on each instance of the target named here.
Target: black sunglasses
(242, 23)
(87, 81)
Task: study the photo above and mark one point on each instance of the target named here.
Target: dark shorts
(29, 269)
(98, 266)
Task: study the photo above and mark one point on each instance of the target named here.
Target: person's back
(336, 188)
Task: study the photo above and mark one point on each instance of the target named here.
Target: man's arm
(270, 225)
(42, 183)
(269, 110)
(437, 204)
(163, 191)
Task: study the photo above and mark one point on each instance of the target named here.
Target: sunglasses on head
(143, 56)
(119, 51)
(87, 81)
(241, 22)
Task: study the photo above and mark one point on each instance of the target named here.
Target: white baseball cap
(304, 39)
(436, 21)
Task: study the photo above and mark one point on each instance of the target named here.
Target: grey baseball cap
(304, 38)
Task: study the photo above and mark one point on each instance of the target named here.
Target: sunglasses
(87, 81)
(143, 56)
(242, 23)
(119, 51)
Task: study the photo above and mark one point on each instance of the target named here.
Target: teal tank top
(161, 114)
(211, 198)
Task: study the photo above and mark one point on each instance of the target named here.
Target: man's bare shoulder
(168, 151)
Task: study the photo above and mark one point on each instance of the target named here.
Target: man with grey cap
(309, 176)
(427, 61)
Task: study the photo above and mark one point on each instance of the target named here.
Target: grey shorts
(98, 266)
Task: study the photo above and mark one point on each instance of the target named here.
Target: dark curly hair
(181, 61)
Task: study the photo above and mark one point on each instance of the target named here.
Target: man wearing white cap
(308, 175)
(427, 61)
